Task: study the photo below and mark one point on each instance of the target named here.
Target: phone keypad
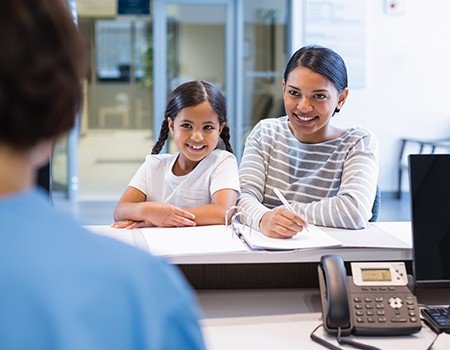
(384, 305)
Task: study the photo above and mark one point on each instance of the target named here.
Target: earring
(336, 110)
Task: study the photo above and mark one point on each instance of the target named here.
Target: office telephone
(375, 300)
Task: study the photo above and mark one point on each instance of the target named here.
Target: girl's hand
(281, 223)
(165, 215)
(124, 224)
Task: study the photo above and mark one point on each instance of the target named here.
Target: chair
(420, 147)
(376, 206)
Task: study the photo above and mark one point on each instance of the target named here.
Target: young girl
(194, 186)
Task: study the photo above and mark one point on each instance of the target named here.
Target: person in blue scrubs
(62, 287)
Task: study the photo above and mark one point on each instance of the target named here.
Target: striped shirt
(332, 183)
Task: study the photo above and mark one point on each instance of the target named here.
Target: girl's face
(310, 100)
(195, 131)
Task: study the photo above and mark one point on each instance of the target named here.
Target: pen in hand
(285, 202)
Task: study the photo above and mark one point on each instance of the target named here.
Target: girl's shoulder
(156, 160)
(219, 155)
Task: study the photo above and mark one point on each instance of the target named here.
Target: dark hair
(41, 64)
(321, 60)
(191, 94)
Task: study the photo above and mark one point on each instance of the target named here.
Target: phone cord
(357, 345)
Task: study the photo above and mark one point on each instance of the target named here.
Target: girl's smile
(195, 132)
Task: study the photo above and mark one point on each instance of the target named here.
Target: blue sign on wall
(133, 7)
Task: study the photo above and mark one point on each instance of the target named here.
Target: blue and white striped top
(331, 184)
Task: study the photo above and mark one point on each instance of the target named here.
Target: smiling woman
(328, 174)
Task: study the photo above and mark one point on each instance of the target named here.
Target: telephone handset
(374, 301)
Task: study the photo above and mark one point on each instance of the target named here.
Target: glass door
(193, 41)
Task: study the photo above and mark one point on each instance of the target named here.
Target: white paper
(192, 240)
(313, 238)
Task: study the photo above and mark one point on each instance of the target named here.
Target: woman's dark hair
(41, 65)
(321, 60)
(191, 94)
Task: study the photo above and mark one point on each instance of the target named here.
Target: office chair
(376, 206)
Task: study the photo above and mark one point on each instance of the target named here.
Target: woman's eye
(320, 96)
(208, 127)
(186, 125)
(294, 93)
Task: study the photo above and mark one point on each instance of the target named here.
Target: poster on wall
(339, 25)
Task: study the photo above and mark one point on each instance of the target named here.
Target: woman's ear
(283, 85)
(221, 127)
(342, 98)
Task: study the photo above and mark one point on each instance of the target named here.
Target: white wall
(407, 77)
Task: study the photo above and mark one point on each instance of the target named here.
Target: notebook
(430, 213)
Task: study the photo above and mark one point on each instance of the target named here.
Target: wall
(407, 77)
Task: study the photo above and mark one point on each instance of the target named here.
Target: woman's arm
(253, 175)
(132, 206)
(214, 213)
(351, 207)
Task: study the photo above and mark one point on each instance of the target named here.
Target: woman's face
(310, 100)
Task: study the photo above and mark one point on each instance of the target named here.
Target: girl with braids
(197, 184)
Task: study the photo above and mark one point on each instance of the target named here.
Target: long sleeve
(331, 184)
(351, 207)
(253, 177)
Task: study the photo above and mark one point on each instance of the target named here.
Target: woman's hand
(281, 223)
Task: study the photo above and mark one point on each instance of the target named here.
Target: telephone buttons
(395, 302)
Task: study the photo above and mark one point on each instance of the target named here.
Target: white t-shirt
(217, 171)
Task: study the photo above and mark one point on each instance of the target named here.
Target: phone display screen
(375, 275)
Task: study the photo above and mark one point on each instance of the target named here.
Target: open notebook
(314, 237)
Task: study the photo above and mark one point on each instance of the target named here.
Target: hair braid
(163, 135)
(225, 136)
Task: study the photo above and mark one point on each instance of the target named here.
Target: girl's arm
(214, 213)
(132, 206)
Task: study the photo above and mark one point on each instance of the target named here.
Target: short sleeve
(139, 180)
(225, 175)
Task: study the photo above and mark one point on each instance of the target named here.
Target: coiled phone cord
(340, 340)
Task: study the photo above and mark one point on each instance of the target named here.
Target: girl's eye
(293, 93)
(208, 127)
(186, 125)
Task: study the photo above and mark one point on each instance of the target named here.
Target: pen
(285, 202)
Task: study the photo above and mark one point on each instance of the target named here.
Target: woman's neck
(16, 172)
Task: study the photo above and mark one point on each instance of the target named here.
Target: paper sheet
(313, 238)
(192, 240)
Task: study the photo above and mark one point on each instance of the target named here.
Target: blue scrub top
(62, 287)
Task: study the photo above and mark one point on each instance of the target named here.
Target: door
(189, 34)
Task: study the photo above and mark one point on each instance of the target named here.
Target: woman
(328, 174)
